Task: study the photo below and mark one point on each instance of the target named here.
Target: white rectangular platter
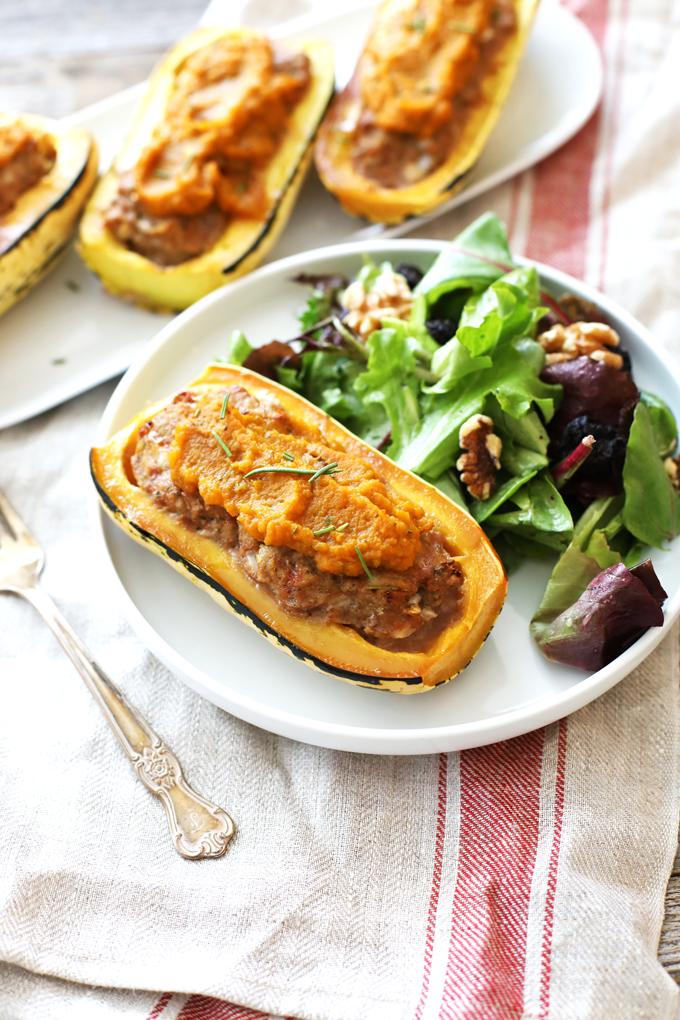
(68, 334)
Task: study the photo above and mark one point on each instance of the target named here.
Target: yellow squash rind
(42, 222)
(329, 648)
(360, 196)
(246, 241)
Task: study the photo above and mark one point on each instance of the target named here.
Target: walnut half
(389, 298)
(478, 465)
(593, 339)
(672, 466)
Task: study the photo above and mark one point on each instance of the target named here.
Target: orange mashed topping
(285, 509)
(227, 112)
(419, 56)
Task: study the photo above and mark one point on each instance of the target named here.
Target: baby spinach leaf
(652, 508)
(450, 486)
(663, 423)
(483, 508)
(542, 514)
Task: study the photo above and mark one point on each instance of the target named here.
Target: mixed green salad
(448, 371)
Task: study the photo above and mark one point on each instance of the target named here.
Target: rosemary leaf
(222, 444)
(224, 405)
(369, 575)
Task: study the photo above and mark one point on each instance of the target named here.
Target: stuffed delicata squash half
(421, 104)
(210, 171)
(349, 563)
(47, 172)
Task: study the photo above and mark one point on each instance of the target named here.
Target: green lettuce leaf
(474, 259)
(389, 380)
(238, 348)
(512, 378)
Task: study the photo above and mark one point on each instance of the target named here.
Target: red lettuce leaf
(616, 608)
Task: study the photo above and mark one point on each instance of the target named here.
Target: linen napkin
(524, 879)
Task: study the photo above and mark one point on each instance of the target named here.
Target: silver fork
(199, 828)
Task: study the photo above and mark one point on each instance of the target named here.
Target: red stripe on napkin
(546, 956)
(201, 1007)
(436, 881)
(560, 212)
(499, 791)
(160, 1006)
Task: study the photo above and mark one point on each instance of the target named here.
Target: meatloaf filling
(396, 609)
(421, 75)
(25, 157)
(206, 162)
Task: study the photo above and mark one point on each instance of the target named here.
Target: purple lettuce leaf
(616, 608)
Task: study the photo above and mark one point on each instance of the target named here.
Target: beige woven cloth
(524, 880)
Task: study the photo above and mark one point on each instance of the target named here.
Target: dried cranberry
(441, 330)
(608, 450)
(411, 274)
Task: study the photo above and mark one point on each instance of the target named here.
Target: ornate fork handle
(199, 828)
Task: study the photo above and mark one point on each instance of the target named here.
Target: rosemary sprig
(222, 444)
(323, 531)
(288, 456)
(369, 575)
(327, 469)
(196, 412)
(224, 405)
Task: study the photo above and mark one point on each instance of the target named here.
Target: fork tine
(16, 525)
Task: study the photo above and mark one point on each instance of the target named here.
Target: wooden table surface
(56, 58)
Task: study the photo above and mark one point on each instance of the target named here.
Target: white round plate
(508, 689)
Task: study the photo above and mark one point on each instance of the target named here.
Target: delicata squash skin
(414, 506)
(47, 172)
(249, 229)
(423, 100)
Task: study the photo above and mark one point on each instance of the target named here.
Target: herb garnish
(187, 162)
(342, 527)
(223, 445)
(196, 412)
(72, 285)
(418, 24)
(162, 173)
(224, 405)
(460, 26)
(369, 575)
(323, 531)
(288, 456)
(327, 469)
